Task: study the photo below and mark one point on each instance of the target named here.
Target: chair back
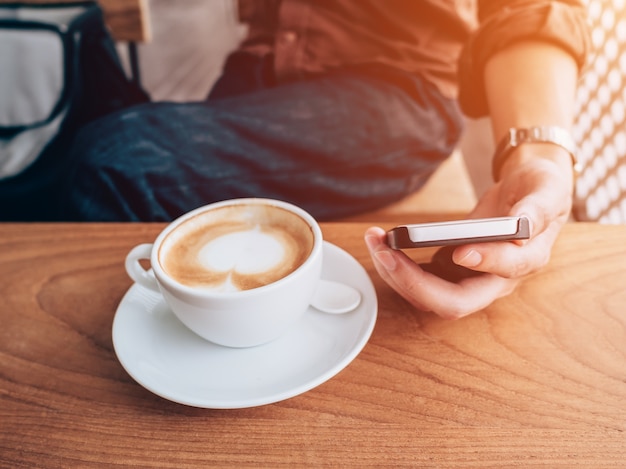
(128, 20)
(600, 125)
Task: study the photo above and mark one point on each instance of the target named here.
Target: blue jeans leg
(336, 145)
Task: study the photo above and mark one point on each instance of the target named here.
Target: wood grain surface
(538, 379)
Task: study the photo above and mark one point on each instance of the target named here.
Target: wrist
(521, 144)
(539, 155)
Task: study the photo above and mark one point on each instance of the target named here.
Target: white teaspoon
(335, 297)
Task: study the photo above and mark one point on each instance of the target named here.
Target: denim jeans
(335, 144)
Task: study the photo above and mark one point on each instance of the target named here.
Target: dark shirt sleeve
(503, 22)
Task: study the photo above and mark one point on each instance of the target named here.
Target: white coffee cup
(264, 233)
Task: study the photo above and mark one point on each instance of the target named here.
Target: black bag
(59, 70)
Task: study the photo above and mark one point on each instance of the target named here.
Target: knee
(94, 144)
(108, 142)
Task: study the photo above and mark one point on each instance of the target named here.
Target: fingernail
(471, 259)
(371, 241)
(386, 259)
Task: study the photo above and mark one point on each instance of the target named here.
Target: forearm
(528, 84)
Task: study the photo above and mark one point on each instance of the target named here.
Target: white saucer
(166, 358)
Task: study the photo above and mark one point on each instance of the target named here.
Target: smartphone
(451, 233)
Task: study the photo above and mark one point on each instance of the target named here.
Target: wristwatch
(539, 134)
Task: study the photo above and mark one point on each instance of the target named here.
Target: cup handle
(136, 271)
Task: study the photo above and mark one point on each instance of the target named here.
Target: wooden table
(537, 379)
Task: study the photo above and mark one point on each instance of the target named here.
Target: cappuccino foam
(235, 248)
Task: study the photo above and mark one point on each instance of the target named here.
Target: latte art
(245, 252)
(242, 254)
(236, 248)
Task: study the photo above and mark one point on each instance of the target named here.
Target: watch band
(539, 134)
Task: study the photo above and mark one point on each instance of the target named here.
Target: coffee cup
(238, 273)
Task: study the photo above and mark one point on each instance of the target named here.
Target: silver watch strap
(538, 134)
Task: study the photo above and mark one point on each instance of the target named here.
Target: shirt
(447, 42)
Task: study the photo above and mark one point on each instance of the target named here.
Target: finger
(386, 262)
(504, 259)
(512, 259)
(450, 300)
(429, 292)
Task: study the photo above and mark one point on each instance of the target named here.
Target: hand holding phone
(454, 233)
